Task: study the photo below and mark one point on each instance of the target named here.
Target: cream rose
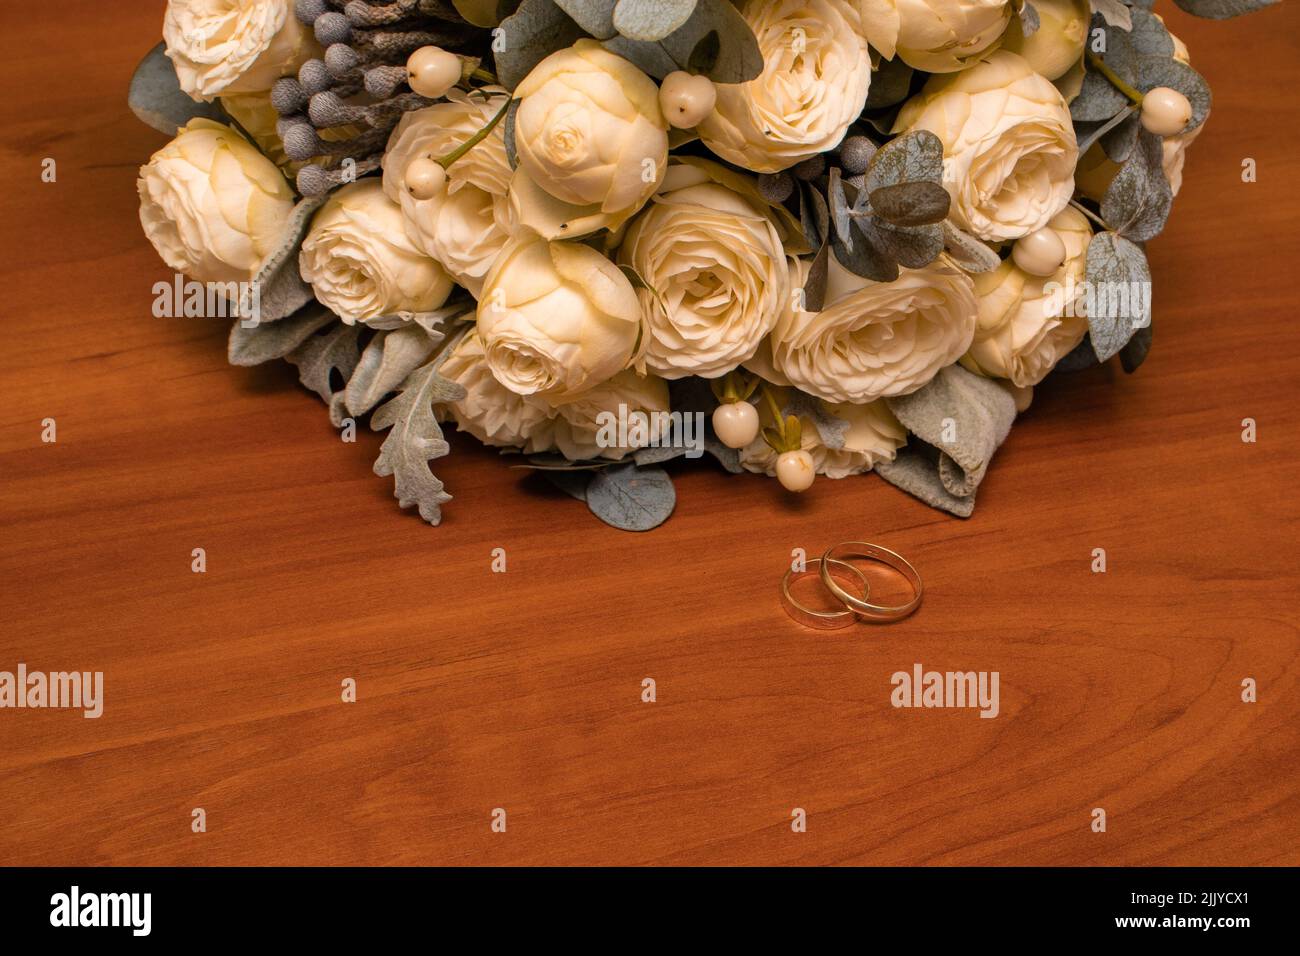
(1008, 143)
(944, 36)
(360, 262)
(234, 46)
(716, 271)
(489, 411)
(873, 339)
(1057, 44)
(1029, 323)
(870, 434)
(556, 318)
(468, 223)
(816, 73)
(587, 426)
(212, 205)
(589, 130)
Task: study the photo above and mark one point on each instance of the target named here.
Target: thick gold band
(865, 549)
(824, 620)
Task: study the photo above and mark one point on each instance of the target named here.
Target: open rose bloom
(807, 237)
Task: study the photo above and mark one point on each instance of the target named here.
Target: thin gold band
(865, 549)
(823, 620)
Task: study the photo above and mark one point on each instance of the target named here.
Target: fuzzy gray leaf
(157, 99)
(1222, 9)
(415, 439)
(384, 365)
(529, 35)
(260, 343)
(632, 498)
(833, 430)
(1119, 292)
(651, 20)
(321, 356)
(1139, 198)
(970, 254)
(280, 288)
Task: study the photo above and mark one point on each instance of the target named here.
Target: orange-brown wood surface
(523, 690)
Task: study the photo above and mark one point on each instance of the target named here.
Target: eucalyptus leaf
(1222, 9)
(594, 16)
(716, 40)
(650, 58)
(529, 35)
(1029, 21)
(691, 396)
(415, 439)
(156, 96)
(1139, 198)
(839, 206)
(384, 365)
(572, 483)
(322, 356)
(1115, 12)
(255, 344)
(1150, 36)
(915, 156)
(631, 498)
(912, 203)
(912, 246)
(1118, 142)
(651, 20)
(890, 84)
(814, 284)
(508, 129)
(1119, 292)
(970, 254)
(1079, 358)
(864, 258)
(1132, 355)
(280, 288)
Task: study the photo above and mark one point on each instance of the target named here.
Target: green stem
(1090, 214)
(474, 140)
(1098, 64)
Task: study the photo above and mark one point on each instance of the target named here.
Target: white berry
(736, 424)
(432, 71)
(686, 100)
(1165, 112)
(1040, 253)
(795, 470)
(424, 178)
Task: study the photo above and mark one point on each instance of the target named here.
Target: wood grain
(522, 690)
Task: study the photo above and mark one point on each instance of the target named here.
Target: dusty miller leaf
(386, 362)
(631, 498)
(321, 356)
(157, 99)
(280, 286)
(415, 439)
(260, 343)
(832, 429)
(1119, 292)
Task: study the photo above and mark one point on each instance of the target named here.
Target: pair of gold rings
(833, 569)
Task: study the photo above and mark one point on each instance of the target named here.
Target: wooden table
(523, 691)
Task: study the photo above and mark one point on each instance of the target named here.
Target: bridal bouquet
(807, 237)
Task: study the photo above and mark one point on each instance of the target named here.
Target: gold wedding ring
(865, 549)
(824, 620)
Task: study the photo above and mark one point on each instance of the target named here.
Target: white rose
(589, 130)
(556, 318)
(489, 411)
(944, 36)
(467, 224)
(1025, 326)
(212, 205)
(360, 262)
(716, 271)
(872, 434)
(587, 426)
(1057, 44)
(816, 73)
(234, 46)
(1008, 143)
(873, 339)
